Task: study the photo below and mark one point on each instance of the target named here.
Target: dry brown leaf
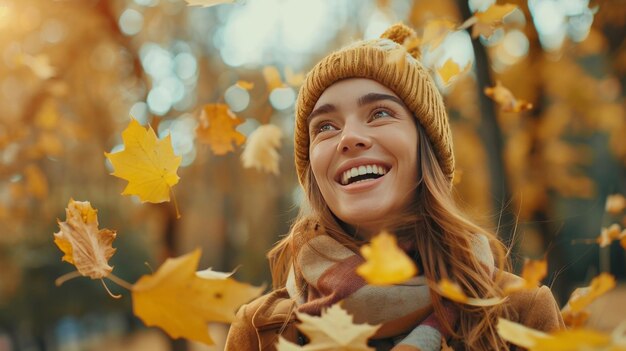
(451, 70)
(507, 101)
(84, 245)
(182, 301)
(332, 331)
(615, 204)
(532, 274)
(217, 128)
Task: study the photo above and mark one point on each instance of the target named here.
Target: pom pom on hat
(404, 36)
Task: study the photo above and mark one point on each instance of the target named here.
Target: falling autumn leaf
(182, 301)
(84, 245)
(452, 291)
(519, 334)
(217, 128)
(615, 203)
(261, 149)
(451, 70)
(385, 263)
(334, 330)
(507, 101)
(533, 272)
(148, 164)
(208, 3)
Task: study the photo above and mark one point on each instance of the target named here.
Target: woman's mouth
(362, 173)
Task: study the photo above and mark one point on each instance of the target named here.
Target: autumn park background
(73, 71)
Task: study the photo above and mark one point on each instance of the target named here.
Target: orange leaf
(507, 101)
(532, 274)
(182, 301)
(83, 244)
(450, 70)
(217, 128)
(385, 263)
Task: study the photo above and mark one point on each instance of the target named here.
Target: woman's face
(363, 152)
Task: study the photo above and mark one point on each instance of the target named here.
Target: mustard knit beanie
(378, 60)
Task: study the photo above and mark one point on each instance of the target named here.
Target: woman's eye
(326, 127)
(380, 113)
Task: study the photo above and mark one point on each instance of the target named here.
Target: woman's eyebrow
(373, 97)
(326, 108)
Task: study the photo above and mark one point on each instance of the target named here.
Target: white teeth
(361, 170)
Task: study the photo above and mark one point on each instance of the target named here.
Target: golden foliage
(453, 291)
(505, 98)
(451, 70)
(533, 272)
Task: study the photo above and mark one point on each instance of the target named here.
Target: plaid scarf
(327, 275)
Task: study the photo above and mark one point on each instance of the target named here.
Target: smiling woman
(373, 152)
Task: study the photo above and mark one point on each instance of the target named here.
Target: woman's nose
(353, 138)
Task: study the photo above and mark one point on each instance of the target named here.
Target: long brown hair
(443, 237)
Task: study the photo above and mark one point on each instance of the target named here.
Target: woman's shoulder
(535, 308)
(271, 308)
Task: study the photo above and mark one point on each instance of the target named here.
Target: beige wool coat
(259, 324)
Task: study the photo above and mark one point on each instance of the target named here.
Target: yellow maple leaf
(182, 301)
(385, 263)
(84, 245)
(615, 203)
(334, 330)
(533, 272)
(607, 235)
(208, 3)
(261, 149)
(453, 291)
(495, 13)
(435, 31)
(147, 163)
(451, 70)
(217, 128)
(507, 101)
